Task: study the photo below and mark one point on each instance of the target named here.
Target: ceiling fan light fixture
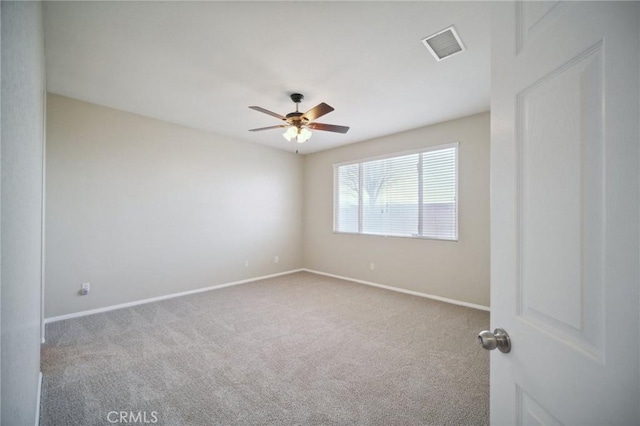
(291, 133)
(300, 134)
(304, 135)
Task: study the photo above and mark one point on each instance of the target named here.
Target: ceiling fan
(298, 124)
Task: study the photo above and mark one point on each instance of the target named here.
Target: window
(408, 195)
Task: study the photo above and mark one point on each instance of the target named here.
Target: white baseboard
(219, 286)
(402, 290)
(168, 296)
(38, 399)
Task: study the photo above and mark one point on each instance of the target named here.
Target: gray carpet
(300, 349)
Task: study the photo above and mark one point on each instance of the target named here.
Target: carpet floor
(300, 349)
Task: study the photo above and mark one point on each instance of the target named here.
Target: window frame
(336, 192)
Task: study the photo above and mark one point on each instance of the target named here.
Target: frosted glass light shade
(304, 135)
(301, 135)
(290, 133)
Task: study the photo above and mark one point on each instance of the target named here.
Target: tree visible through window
(411, 195)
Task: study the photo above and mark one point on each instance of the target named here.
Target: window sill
(450, 240)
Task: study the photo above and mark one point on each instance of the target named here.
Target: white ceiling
(201, 64)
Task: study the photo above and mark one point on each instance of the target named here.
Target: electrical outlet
(372, 266)
(246, 263)
(85, 288)
(276, 259)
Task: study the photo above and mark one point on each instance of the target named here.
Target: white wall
(455, 270)
(22, 144)
(142, 208)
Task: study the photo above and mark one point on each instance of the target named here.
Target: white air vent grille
(444, 44)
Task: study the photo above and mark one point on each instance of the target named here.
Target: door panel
(531, 413)
(534, 17)
(560, 152)
(564, 212)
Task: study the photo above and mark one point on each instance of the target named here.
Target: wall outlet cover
(85, 288)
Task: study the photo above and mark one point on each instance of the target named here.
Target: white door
(565, 213)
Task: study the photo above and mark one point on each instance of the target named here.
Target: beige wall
(455, 270)
(142, 208)
(22, 154)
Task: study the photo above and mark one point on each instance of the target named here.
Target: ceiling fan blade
(328, 127)
(270, 127)
(266, 111)
(317, 111)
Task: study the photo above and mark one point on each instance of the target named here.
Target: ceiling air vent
(444, 44)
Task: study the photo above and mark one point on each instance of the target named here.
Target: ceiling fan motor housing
(296, 118)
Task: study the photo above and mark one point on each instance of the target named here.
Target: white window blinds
(409, 195)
